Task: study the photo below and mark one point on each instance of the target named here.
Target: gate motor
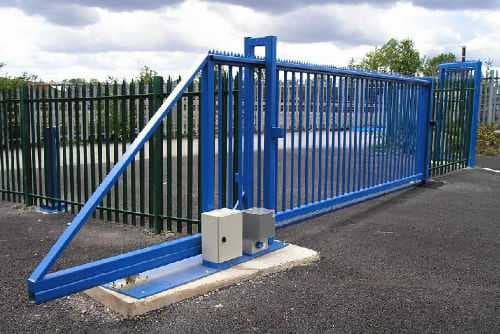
(228, 234)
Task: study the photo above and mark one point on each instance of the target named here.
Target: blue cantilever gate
(298, 138)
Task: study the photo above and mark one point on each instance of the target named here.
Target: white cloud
(119, 38)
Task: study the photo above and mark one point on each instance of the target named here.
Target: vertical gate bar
(169, 176)
(100, 132)
(236, 140)
(224, 139)
(116, 131)
(464, 117)
(314, 106)
(354, 147)
(131, 135)
(359, 143)
(78, 111)
(31, 105)
(44, 126)
(292, 140)
(85, 142)
(240, 131)
(378, 108)
(349, 155)
(157, 159)
(402, 130)
(92, 135)
(142, 158)
(4, 153)
(71, 166)
(259, 137)
(270, 147)
(411, 149)
(5, 129)
(334, 129)
(10, 157)
(285, 111)
(58, 146)
(190, 166)
(220, 123)
(12, 145)
(107, 137)
(17, 134)
(2, 144)
(450, 120)
(124, 133)
(327, 133)
(179, 158)
(207, 120)
(365, 135)
(48, 147)
(25, 143)
(390, 129)
(344, 137)
(444, 145)
(398, 128)
(371, 162)
(320, 135)
(410, 166)
(230, 153)
(307, 114)
(394, 124)
(301, 130)
(339, 130)
(248, 170)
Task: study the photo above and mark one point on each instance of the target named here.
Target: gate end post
(207, 138)
(424, 112)
(471, 162)
(270, 118)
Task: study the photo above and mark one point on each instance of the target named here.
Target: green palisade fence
(91, 125)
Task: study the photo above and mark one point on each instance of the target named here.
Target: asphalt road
(423, 260)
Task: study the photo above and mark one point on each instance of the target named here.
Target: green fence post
(25, 145)
(157, 158)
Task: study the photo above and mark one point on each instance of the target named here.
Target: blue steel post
(271, 132)
(424, 112)
(207, 154)
(475, 114)
(248, 179)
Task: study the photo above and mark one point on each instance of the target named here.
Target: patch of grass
(488, 142)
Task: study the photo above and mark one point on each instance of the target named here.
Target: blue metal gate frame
(408, 99)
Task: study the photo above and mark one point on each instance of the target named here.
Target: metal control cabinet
(258, 229)
(221, 236)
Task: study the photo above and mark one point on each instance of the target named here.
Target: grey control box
(221, 236)
(258, 229)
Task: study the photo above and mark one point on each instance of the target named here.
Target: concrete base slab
(280, 260)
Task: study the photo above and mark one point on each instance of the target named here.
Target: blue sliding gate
(298, 138)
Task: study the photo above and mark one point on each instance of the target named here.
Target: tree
(430, 65)
(146, 74)
(394, 56)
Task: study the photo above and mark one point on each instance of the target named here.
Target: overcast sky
(60, 39)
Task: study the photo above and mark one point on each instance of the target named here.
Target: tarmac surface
(421, 260)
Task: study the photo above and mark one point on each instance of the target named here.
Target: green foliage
(488, 142)
(430, 64)
(8, 82)
(146, 74)
(394, 56)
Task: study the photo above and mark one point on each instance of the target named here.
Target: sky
(61, 39)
